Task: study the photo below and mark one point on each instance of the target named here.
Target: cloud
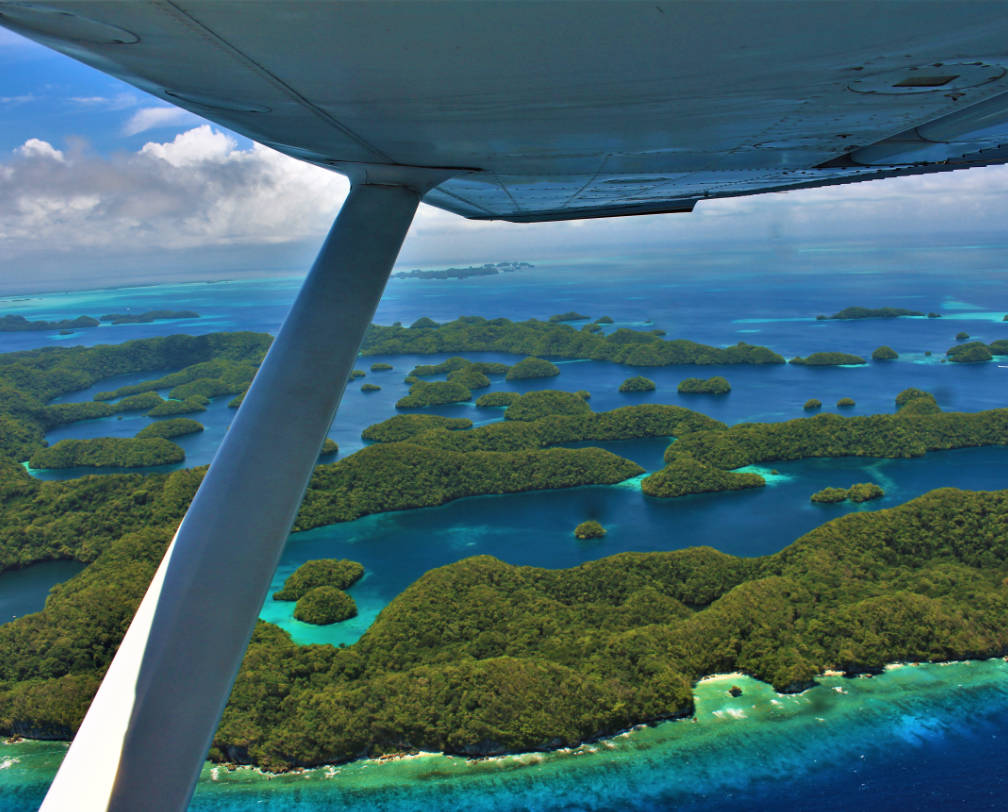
(11, 101)
(34, 148)
(203, 204)
(198, 191)
(121, 101)
(151, 118)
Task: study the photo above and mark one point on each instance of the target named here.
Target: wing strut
(146, 734)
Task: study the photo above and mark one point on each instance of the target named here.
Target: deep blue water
(768, 297)
(23, 591)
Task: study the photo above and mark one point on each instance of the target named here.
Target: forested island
(590, 529)
(489, 269)
(638, 383)
(716, 385)
(480, 657)
(17, 324)
(871, 313)
(918, 426)
(828, 359)
(556, 340)
(108, 452)
(148, 317)
(335, 572)
(531, 367)
(971, 353)
(529, 658)
(859, 492)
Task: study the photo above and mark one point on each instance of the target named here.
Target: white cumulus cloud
(151, 118)
(43, 150)
(199, 191)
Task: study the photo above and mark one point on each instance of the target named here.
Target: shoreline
(215, 770)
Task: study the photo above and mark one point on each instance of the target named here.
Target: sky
(101, 184)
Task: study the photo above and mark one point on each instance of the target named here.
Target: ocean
(914, 737)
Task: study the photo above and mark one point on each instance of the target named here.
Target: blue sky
(101, 183)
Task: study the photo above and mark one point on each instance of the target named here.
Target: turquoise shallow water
(928, 737)
(850, 743)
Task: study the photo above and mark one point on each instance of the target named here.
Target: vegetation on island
(496, 399)
(846, 403)
(625, 423)
(829, 496)
(456, 364)
(190, 405)
(399, 476)
(871, 313)
(609, 320)
(570, 315)
(624, 639)
(999, 347)
(107, 452)
(481, 657)
(528, 658)
(370, 387)
(859, 492)
(584, 394)
(470, 378)
(329, 447)
(915, 401)
(149, 316)
(433, 393)
(972, 353)
(532, 367)
(864, 492)
(812, 404)
(30, 379)
(918, 427)
(556, 340)
(173, 427)
(404, 426)
(637, 383)
(59, 414)
(324, 605)
(828, 359)
(884, 353)
(381, 366)
(335, 572)
(356, 373)
(546, 403)
(683, 474)
(206, 379)
(590, 529)
(19, 324)
(962, 335)
(487, 269)
(423, 323)
(704, 386)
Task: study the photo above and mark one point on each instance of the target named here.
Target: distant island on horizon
(487, 269)
(19, 324)
(875, 313)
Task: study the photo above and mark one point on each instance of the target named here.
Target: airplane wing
(546, 111)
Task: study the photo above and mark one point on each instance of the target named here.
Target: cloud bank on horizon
(204, 192)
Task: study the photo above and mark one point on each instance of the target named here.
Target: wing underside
(546, 111)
